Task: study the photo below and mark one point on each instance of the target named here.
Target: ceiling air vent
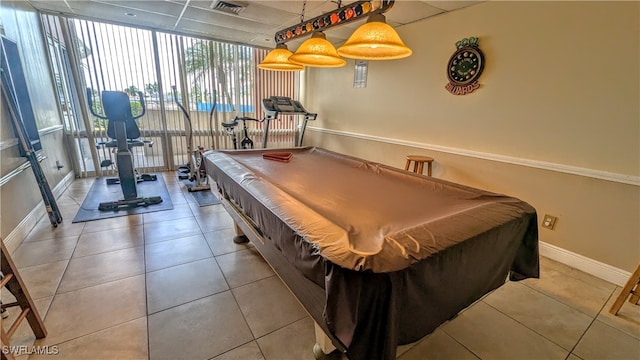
(231, 7)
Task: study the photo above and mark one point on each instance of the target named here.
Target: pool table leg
(323, 349)
(240, 237)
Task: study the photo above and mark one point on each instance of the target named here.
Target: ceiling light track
(343, 15)
(374, 40)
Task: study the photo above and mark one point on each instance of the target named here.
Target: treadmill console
(282, 104)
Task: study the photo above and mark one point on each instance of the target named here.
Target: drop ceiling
(254, 25)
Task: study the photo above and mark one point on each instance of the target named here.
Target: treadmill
(276, 105)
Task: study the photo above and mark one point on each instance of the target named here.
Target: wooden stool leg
(406, 165)
(626, 291)
(429, 168)
(420, 168)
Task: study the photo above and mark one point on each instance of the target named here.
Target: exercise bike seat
(232, 124)
(130, 143)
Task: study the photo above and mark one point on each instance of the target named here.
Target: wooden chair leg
(630, 289)
(5, 355)
(406, 165)
(13, 282)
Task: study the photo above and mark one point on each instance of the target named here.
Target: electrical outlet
(549, 221)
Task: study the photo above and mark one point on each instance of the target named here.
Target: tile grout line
(236, 301)
(146, 300)
(595, 318)
(563, 302)
(459, 342)
(230, 350)
(527, 327)
(94, 332)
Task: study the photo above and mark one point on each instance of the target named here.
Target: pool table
(378, 256)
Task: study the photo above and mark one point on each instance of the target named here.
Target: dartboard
(465, 65)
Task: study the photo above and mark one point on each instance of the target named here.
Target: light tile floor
(172, 285)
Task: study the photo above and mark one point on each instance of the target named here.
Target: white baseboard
(15, 237)
(590, 266)
(563, 168)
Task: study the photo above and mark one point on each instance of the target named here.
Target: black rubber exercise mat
(101, 192)
(204, 197)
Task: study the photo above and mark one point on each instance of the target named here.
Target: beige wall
(560, 94)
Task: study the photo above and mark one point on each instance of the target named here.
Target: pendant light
(317, 51)
(278, 60)
(375, 40)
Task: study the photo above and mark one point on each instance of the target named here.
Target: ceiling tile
(57, 6)
(154, 6)
(116, 13)
(452, 5)
(225, 20)
(255, 11)
(409, 11)
(216, 32)
(294, 7)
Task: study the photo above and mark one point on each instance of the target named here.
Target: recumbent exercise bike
(124, 134)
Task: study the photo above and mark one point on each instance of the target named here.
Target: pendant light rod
(343, 15)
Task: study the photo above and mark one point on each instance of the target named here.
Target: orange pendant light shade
(278, 60)
(375, 40)
(317, 52)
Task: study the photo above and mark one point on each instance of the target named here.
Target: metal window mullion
(102, 81)
(72, 51)
(89, 124)
(166, 140)
(171, 63)
(213, 121)
(186, 94)
(148, 152)
(142, 67)
(54, 60)
(80, 119)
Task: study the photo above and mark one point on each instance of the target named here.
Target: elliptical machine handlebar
(144, 108)
(174, 92)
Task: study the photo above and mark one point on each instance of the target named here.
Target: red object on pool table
(282, 156)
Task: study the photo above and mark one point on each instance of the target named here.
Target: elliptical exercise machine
(194, 170)
(125, 134)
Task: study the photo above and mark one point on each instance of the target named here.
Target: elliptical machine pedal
(148, 177)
